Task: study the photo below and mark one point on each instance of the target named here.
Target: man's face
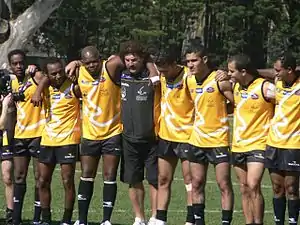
(133, 63)
(17, 64)
(56, 74)
(234, 74)
(92, 64)
(168, 70)
(195, 63)
(280, 72)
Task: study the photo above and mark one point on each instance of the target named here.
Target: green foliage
(260, 28)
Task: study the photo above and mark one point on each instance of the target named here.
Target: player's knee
(278, 189)
(109, 175)
(225, 185)
(68, 182)
(254, 187)
(164, 181)
(44, 182)
(244, 189)
(7, 179)
(198, 184)
(291, 190)
(20, 177)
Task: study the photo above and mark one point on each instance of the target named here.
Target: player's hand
(111, 57)
(71, 70)
(154, 81)
(36, 100)
(7, 100)
(31, 69)
(222, 75)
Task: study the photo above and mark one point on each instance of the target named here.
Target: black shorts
(282, 159)
(242, 158)
(27, 147)
(208, 155)
(58, 154)
(172, 149)
(110, 146)
(6, 152)
(136, 158)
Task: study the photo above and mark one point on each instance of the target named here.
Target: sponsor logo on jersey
(254, 96)
(210, 90)
(199, 90)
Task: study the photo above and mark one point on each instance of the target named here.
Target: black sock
(199, 214)
(19, 193)
(37, 206)
(46, 215)
(85, 193)
(161, 215)
(227, 217)
(8, 215)
(190, 214)
(279, 206)
(109, 198)
(67, 216)
(293, 208)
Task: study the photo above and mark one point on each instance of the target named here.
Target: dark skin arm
(77, 91)
(43, 83)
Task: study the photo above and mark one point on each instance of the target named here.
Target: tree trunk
(26, 25)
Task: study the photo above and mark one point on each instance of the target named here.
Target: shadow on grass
(28, 222)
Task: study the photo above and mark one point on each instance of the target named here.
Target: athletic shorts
(136, 158)
(172, 149)
(58, 154)
(27, 147)
(6, 152)
(110, 146)
(242, 158)
(282, 159)
(208, 155)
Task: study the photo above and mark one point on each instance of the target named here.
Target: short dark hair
(243, 61)
(165, 57)
(133, 47)
(52, 60)
(15, 52)
(195, 46)
(288, 61)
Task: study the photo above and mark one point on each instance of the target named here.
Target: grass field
(123, 213)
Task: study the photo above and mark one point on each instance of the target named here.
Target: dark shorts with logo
(138, 158)
(214, 156)
(242, 158)
(172, 149)
(27, 147)
(282, 159)
(110, 146)
(6, 152)
(58, 154)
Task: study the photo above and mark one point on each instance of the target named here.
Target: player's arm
(43, 84)
(76, 91)
(269, 91)
(72, 70)
(225, 87)
(7, 100)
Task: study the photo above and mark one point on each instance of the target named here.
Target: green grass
(123, 213)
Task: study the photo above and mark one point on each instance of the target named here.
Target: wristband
(154, 79)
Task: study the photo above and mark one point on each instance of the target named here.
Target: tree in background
(15, 32)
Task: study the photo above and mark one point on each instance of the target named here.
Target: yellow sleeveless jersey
(252, 117)
(30, 119)
(285, 126)
(5, 138)
(211, 121)
(101, 100)
(177, 109)
(63, 117)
